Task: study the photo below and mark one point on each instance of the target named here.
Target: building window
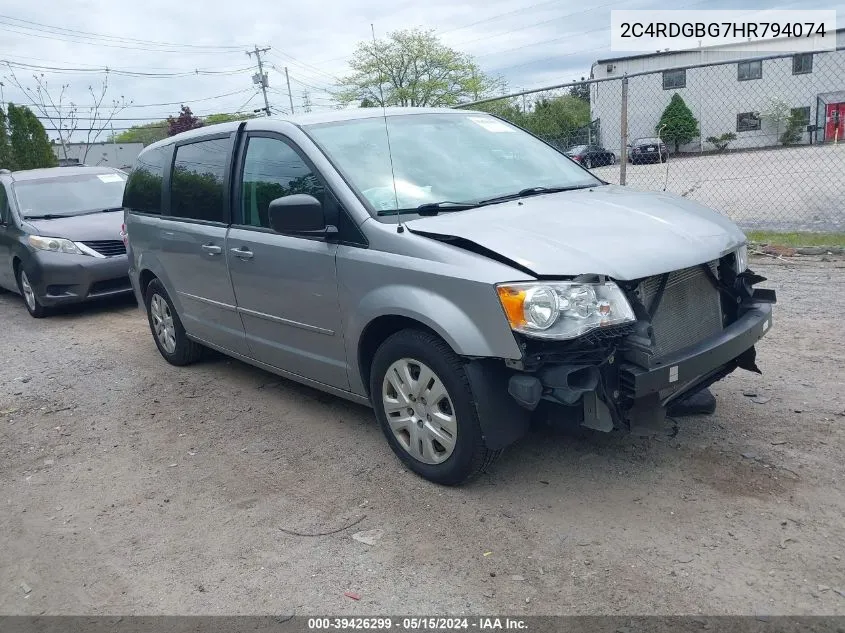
(802, 64)
(749, 70)
(674, 79)
(747, 122)
(802, 115)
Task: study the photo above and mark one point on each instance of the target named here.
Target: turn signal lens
(513, 302)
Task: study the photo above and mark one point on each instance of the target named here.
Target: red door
(835, 122)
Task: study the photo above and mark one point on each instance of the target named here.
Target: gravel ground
(133, 487)
(794, 188)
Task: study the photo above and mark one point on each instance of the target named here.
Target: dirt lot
(133, 487)
(794, 188)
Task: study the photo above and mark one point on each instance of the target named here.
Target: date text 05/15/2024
(417, 623)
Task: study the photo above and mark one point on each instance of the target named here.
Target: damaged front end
(691, 328)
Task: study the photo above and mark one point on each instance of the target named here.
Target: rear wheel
(426, 409)
(30, 300)
(168, 333)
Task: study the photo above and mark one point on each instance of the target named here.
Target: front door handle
(212, 249)
(242, 253)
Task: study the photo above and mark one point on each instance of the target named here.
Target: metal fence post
(623, 149)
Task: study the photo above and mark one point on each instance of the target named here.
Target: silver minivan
(445, 267)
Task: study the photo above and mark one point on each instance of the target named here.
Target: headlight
(564, 309)
(54, 244)
(741, 258)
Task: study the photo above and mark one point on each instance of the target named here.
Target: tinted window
(196, 185)
(143, 190)
(70, 195)
(749, 70)
(802, 63)
(272, 169)
(674, 79)
(747, 122)
(4, 205)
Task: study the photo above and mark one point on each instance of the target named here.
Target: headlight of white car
(563, 309)
(54, 244)
(741, 258)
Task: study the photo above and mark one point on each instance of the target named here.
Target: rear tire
(30, 299)
(168, 332)
(415, 426)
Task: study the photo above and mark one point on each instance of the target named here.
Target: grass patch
(797, 238)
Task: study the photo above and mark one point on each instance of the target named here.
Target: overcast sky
(530, 43)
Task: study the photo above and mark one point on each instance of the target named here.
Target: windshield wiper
(432, 208)
(530, 191)
(49, 216)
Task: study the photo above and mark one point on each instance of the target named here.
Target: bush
(721, 142)
(794, 129)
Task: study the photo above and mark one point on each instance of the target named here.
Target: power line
(183, 102)
(308, 67)
(76, 33)
(499, 15)
(122, 72)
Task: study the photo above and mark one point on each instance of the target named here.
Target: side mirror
(301, 215)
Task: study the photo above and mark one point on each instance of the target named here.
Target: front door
(286, 287)
(192, 249)
(834, 122)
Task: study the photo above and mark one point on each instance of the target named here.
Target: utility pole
(261, 77)
(290, 94)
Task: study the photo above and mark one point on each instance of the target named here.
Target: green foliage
(413, 68)
(28, 146)
(5, 145)
(211, 119)
(581, 91)
(721, 142)
(552, 118)
(794, 129)
(677, 123)
(776, 112)
(147, 134)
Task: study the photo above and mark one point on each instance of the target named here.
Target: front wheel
(425, 407)
(30, 300)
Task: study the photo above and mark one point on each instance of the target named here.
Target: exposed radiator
(689, 311)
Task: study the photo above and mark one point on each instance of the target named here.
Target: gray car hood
(81, 228)
(608, 230)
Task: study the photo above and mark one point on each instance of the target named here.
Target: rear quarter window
(143, 189)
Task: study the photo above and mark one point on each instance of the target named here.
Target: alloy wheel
(163, 323)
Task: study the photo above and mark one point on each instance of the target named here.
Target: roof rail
(5, 171)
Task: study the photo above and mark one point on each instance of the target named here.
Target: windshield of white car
(64, 196)
(453, 156)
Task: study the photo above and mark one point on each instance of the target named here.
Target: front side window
(272, 169)
(76, 194)
(802, 63)
(674, 79)
(457, 157)
(749, 70)
(143, 189)
(747, 122)
(196, 184)
(5, 215)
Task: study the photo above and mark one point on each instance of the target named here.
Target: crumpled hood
(608, 230)
(81, 228)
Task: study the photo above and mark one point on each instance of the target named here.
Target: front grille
(689, 311)
(109, 248)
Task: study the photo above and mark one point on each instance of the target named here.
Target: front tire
(168, 332)
(30, 300)
(423, 402)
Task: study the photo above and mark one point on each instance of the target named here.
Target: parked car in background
(591, 155)
(453, 279)
(60, 235)
(647, 150)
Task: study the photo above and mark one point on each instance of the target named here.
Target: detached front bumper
(61, 278)
(687, 366)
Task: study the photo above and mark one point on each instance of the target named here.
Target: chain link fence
(761, 140)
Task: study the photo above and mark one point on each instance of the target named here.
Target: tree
(147, 134)
(183, 122)
(29, 147)
(581, 91)
(413, 68)
(558, 117)
(794, 129)
(776, 112)
(223, 117)
(5, 145)
(721, 142)
(64, 116)
(677, 123)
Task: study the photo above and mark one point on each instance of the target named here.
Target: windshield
(69, 195)
(455, 157)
